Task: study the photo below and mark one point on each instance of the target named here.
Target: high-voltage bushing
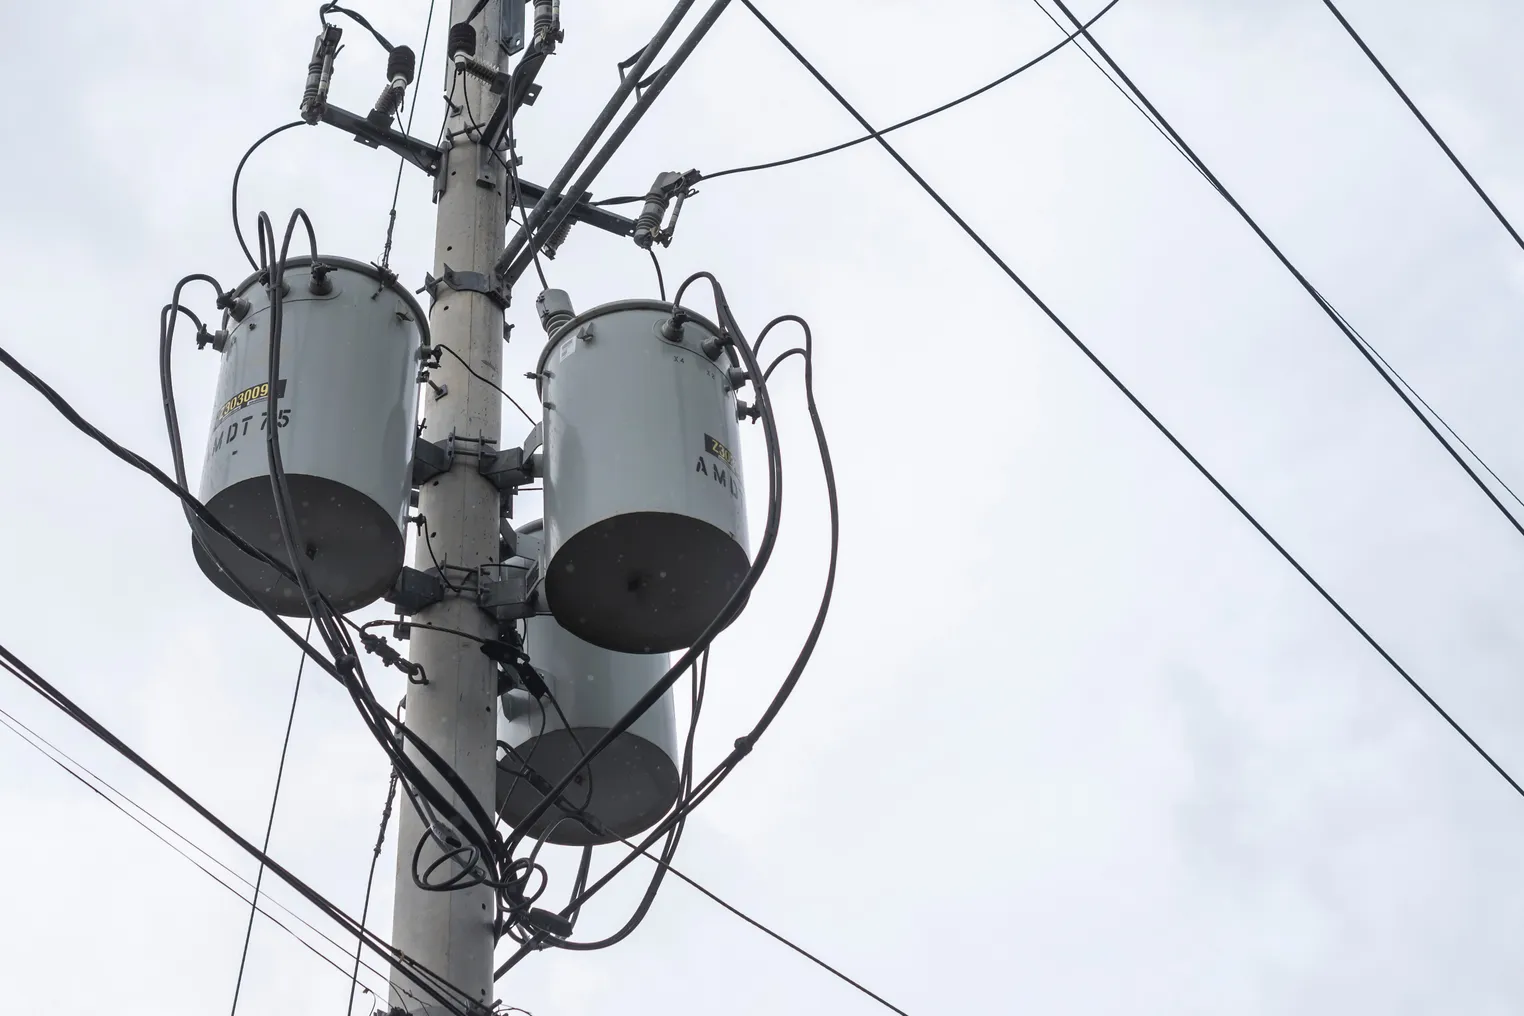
(633, 782)
(645, 512)
(347, 399)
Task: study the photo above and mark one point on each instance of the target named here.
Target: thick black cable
(429, 982)
(486, 381)
(1454, 159)
(661, 283)
(1139, 405)
(893, 127)
(1338, 319)
(280, 772)
(357, 18)
(391, 216)
(237, 173)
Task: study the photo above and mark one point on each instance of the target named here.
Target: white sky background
(1076, 740)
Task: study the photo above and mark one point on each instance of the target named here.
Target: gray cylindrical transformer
(348, 397)
(645, 511)
(634, 781)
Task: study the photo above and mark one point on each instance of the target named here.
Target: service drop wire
(736, 600)
(744, 744)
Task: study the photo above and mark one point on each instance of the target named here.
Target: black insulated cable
(1413, 107)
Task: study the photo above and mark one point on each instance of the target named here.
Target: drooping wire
(1361, 346)
(391, 216)
(1454, 159)
(510, 164)
(894, 127)
(280, 772)
(238, 173)
(74, 768)
(486, 381)
(357, 18)
(1138, 404)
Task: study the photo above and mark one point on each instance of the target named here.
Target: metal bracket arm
(583, 211)
(414, 590)
(431, 459)
(420, 153)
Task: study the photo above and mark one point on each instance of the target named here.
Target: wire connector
(378, 646)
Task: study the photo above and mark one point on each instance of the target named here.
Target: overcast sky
(1076, 740)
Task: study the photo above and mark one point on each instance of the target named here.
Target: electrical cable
(370, 880)
(391, 216)
(508, 164)
(427, 980)
(78, 771)
(237, 173)
(280, 772)
(1139, 405)
(1361, 346)
(894, 127)
(487, 381)
(1454, 159)
(661, 283)
(359, 19)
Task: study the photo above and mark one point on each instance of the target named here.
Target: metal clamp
(467, 282)
(432, 458)
(505, 591)
(414, 590)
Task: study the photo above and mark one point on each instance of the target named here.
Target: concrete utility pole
(456, 712)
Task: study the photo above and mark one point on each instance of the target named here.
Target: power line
(1454, 159)
(427, 980)
(280, 772)
(370, 880)
(486, 381)
(894, 127)
(1138, 404)
(1361, 345)
(391, 216)
(74, 768)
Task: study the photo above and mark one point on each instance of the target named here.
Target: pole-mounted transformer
(645, 508)
(346, 401)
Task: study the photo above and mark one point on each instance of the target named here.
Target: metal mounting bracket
(514, 24)
(505, 590)
(507, 469)
(583, 211)
(432, 458)
(467, 282)
(414, 590)
(425, 156)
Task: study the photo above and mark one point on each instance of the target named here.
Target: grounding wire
(391, 216)
(1138, 404)
(280, 772)
(429, 982)
(777, 163)
(75, 769)
(1360, 345)
(1454, 159)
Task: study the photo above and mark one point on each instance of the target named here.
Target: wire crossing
(1140, 406)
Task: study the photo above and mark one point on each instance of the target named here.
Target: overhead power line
(1454, 159)
(1361, 345)
(1137, 403)
(74, 768)
(833, 149)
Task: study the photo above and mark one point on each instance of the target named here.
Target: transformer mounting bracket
(432, 458)
(414, 590)
(466, 282)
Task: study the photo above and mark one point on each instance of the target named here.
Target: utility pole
(455, 713)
